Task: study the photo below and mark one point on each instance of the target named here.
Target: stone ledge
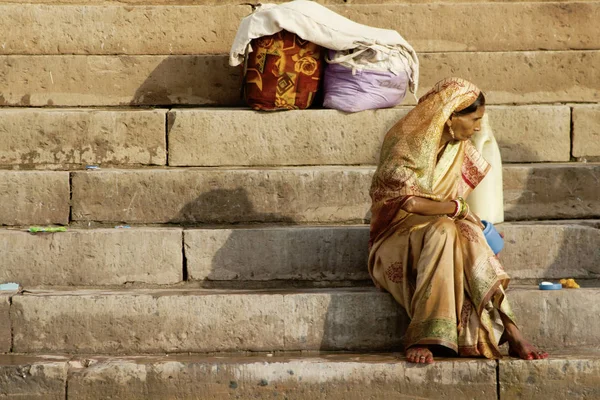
(79, 80)
(176, 320)
(586, 131)
(337, 253)
(5, 325)
(304, 194)
(127, 29)
(56, 137)
(32, 197)
(183, 320)
(92, 257)
(225, 137)
(331, 377)
(33, 377)
(559, 378)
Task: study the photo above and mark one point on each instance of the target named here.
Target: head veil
(409, 151)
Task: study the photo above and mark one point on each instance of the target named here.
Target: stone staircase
(220, 253)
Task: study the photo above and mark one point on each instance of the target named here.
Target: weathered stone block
(27, 377)
(322, 194)
(442, 27)
(155, 321)
(586, 131)
(62, 137)
(92, 257)
(532, 133)
(561, 377)
(307, 194)
(306, 137)
(519, 77)
(127, 322)
(332, 377)
(5, 326)
(552, 251)
(557, 319)
(551, 191)
(348, 319)
(328, 137)
(532, 251)
(296, 253)
(31, 197)
(118, 29)
(78, 80)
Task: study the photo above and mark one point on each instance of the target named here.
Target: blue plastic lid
(553, 286)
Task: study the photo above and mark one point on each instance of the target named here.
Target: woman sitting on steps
(426, 248)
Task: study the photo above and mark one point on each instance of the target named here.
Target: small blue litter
(550, 286)
(92, 167)
(9, 286)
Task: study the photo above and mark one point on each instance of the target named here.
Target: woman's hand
(471, 216)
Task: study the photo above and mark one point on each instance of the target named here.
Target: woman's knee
(443, 226)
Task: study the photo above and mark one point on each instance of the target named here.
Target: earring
(451, 132)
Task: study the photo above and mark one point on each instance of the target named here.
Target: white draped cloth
(318, 24)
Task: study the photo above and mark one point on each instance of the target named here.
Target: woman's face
(465, 126)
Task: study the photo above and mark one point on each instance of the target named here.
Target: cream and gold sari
(440, 270)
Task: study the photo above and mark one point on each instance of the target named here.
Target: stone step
(303, 194)
(63, 138)
(117, 80)
(283, 255)
(182, 320)
(52, 138)
(222, 137)
(532, 251)
(330, 194)
(129, 29)
(92, 257)
(330, 376)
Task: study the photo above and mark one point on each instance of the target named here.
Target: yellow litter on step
(569, 283)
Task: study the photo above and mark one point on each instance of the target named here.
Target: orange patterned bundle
(283, 72)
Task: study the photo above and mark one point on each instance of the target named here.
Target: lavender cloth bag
(353, 87)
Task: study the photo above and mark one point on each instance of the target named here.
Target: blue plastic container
(552, 286)
(492, 236)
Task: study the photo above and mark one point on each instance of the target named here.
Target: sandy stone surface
(561, 377)
(304, 195)
(118, 29)
(222, 137)
(57, 137)
(5, 324)
(551, 191)
(92, 257)
(331, 377)
(30, 197)
(527, 77)
(586, 131)
(336, 253)
(147, 29)
(326, 194)
(27, 377)
(157, 321)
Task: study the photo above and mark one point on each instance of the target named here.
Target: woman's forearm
(422, 206)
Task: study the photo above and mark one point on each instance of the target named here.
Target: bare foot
(525, 350)
(518, 346)
(419, 355)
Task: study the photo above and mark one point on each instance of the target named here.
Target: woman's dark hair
(479, 101)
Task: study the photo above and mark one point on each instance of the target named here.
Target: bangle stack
(462, 209)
